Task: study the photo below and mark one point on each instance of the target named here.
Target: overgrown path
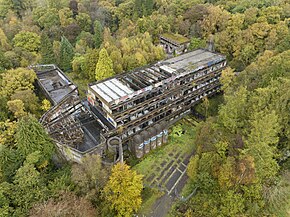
(164, 170)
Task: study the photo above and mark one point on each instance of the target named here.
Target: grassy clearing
(176, 37)
(149, 196)
(177, 144)
(156, 161)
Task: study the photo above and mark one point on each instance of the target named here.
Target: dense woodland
(241, 166)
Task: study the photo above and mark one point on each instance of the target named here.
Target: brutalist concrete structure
(134, 104)
(137, 107)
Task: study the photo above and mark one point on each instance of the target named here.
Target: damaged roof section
(125, 86)
(54, 83)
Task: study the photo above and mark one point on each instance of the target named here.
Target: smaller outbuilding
(174, 43)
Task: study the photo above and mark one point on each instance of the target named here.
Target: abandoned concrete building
(174, 43)
(54, 83)
(137, 106)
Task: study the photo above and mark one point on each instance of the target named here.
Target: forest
(242, 161)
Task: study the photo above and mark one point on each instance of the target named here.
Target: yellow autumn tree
(123, 191)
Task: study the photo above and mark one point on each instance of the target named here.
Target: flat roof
(120, 87)
(112, 89)
(177, 38)
(55, 84)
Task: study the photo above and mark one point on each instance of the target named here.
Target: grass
(176, 37)
(149, 196)
(183, 144)
(151, 164)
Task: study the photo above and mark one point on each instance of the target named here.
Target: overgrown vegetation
(242, 162)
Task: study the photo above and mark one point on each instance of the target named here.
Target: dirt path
(162, 206)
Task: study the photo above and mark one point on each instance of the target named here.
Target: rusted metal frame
(164, 96)
(136, 87)
(144, 73)
(140, 76)
(160, 72)
(168, 105)
(58, 118)
(144, 107)
(166, 73)
(127, 114)
(149, 73)
(76, 124)
(139, 96)
(169, 116)
(67, 112)
(131, 76)
(157, 74)
(177, 88)
(166, 118)
(153, 77)
(212, 74)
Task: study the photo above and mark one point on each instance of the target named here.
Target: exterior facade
(140, 105)
(136, 108)
(174, 43)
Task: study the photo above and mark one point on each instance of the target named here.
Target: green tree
(84, 21)
(87, 38)
(46, 50)
(17, 79)
(5, 6)
(91, 59)
(45, 105)
(192, 167)
(123, 190)
(17, 108)
(31, 137)
(90, 176)
(57, 3)
(261, 143)
(66, 54)
(30, 41)
(117, 59)
(98, 29)
(28, 185)
(4, 43)
(232, 204)
(5, 201)
(5, 63)
(46, 17)
(29, 99)
(233, 113)
(104, 67)
(227, 79)
(65, 16)
(77, 64)
(196, 43)
(149, 7)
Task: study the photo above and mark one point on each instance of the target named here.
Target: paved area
(172, 176)
(168, 172)
(162, 206)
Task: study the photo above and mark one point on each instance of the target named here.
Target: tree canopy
(242, 159)
(104, 67)
(123, 190)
